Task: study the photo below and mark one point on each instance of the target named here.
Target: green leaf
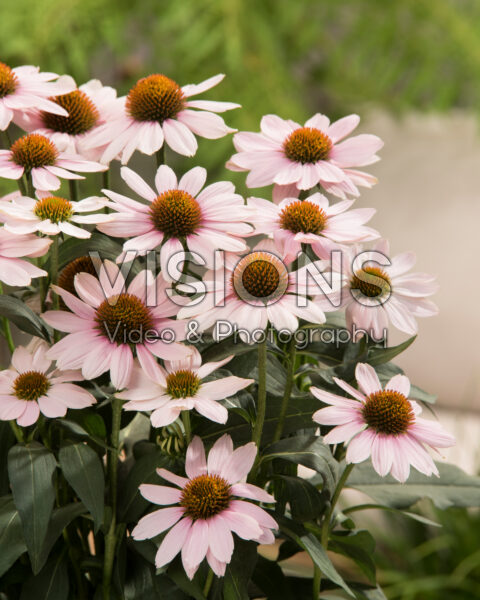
(239, 571)
(24, 318)
(84, 472)
(7, 440)
(359, 546)
(227, 347)
(31, 470)
(11, 534)
(378, 356)
(309, 451)
(269, 577)
(453, 488)
(106, 247)
(306, 502)
(61, 517)
(190, 587)
(50, 584)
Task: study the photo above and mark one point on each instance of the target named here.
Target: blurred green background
(292, 58)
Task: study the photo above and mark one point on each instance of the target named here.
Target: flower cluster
(137, 325)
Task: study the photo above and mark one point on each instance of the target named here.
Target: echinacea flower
(252, 291)
(36, 155)
(158, 110)
(204, 509)
(51, 215)
(179, 387)
(373, 295)
(86, 109)
(30, 387)
(179, 212)
(311, 221)
(382, 423)
(286, 153)
(27, 87)
(111, 322)
(82, 264)
(13, 270)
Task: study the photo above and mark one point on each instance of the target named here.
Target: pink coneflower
(375, 295)
(206, 510)
(36, 155)
(88, 107)
(29, 387)
(158, 110)
(177, 212)
(13, 270)
(180, 386)
(254, 290)
(381, 423)
(111, 322)
(51, 215)
(286, 153)
(26, 87)
(311, 221)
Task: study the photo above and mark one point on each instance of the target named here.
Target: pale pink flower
(204, 509)
(158, 110)
(30, 387)
(253, 290)
(180, 386)
(179, 211)
(51, 215)
(381, 423)
(27, 87)
(373, 295)
(313, 222)
(88, 107)
(286, 153)
(13, 270)
(36, 155)
(109, 321)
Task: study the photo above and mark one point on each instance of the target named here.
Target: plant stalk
(72, 184)
(292, 351)
(6, 328)
(208, 583)
(262, 392)
(160, 156)
(187, 426)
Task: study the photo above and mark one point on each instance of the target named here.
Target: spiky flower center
(53, 208)
(372, 282)
(183, 384)
(124, 319)
(83, 264)
(155, 98)
(31, 385)
(307, 145)
(205, 496)
(388, 411)
(260, 276)
(82, 114)
(175, 213)
(303, 216)
(33, 151)
(8, 80)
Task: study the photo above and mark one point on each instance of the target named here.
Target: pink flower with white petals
(286, 153)
(375, 295)
(51, 215)
(27, 87)
(382, 423)
(88, 107)
(204, 509)
(13, 270)
(29, 387)
(36, 155)
(157, 111)
(313, 222)
(179, 212)
(110, 322)
(180, 386)
(253, 290)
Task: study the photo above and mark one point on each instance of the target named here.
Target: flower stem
(292, 351)
(72, 185)
(17, 431)
(262, 392)
(106, 179)
(208, 583)
(187, 426)
(111, 538)
(317, 576)
(160, 156)
(6, 328)
(30, 188)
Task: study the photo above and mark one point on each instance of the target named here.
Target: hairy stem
(292, 351)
